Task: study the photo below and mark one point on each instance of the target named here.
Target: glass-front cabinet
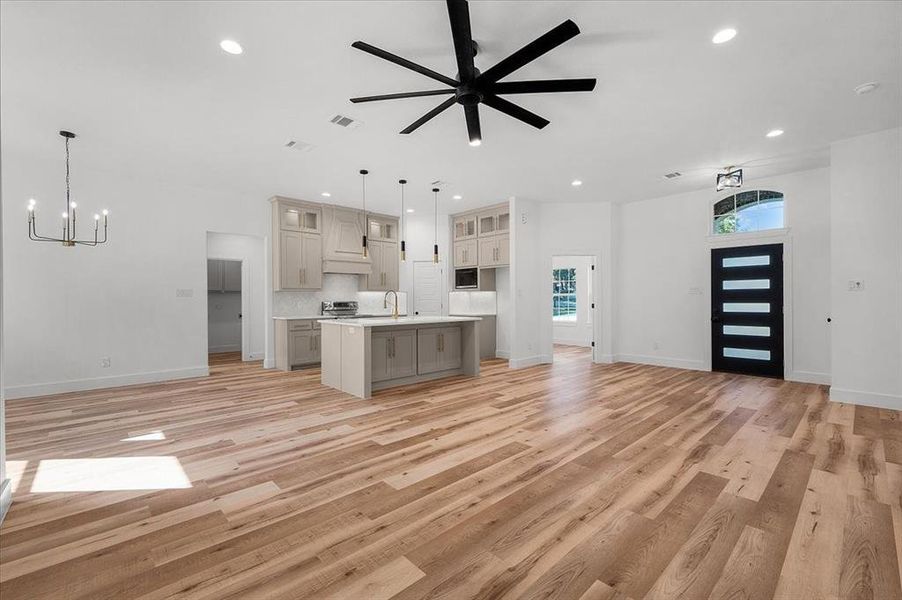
(385, 229)
(465, 227)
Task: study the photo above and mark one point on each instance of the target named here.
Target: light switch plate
(856, 285)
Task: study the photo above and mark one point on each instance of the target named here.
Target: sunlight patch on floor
(15, 470)
(146, 437)
(109, 474)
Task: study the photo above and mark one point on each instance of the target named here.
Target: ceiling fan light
(476, 142)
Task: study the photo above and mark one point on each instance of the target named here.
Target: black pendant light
(403, 182)
(363, 174)
(435, 231)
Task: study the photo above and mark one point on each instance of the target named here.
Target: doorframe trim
(781, 236)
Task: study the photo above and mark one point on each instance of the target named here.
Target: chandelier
(68, 235)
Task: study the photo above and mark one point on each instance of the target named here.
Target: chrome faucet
(394, 314)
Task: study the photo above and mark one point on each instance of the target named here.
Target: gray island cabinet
(362, 355)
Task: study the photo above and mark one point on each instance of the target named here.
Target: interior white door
(427, 288)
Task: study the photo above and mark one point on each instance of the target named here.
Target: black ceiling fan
(473, 87)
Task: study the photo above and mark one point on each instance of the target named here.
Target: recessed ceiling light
(723, 36)
(326, 195)
(457, 196)
(410, 210)
(866, 88)
(475, 142)
(576, 183)
(775, 133)
(231, 46)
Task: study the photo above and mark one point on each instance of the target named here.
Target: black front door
(747, 310)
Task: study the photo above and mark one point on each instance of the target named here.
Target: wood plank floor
(565, 481)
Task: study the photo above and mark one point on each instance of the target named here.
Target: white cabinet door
(290, 263)
(503, 249)
(214, 275)
(381, 356)
(449, 348)
(231, 275)
(390, 266)
(404, 354)
(428, 351)
(312, 259)
(487, 252)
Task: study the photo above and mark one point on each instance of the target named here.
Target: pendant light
(435, 231)
(363, 174)
(403, 182)
(68, 236)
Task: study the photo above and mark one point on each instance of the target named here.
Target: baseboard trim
(269, 363)
(866, 398)
(529, 361)
(96, 383)
(255, 356)
(604, 359)
(661, 361)
(224, 348)
(6, 497)
(809, 377)
(502, 354)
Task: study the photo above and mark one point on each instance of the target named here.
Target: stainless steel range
(340, 308)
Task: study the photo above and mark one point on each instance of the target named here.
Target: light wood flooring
(565, 481)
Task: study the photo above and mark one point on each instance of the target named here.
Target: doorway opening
(224, 289)
(573, 306)
(747, 310)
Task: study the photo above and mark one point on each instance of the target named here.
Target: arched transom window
(755, 210)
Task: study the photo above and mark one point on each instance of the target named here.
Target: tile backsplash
(335, 287)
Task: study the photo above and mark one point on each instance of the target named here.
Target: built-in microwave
(466, 279)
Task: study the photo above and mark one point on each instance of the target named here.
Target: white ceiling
(148, 90)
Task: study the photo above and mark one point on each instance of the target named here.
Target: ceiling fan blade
(473, 128)
(542, 86)
(531, 51)
(403, 62)
(459, 14)
(432, 113)
(517, 112)
(401, 95)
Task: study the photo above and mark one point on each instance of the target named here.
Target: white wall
(67, 308)
(866, 245)
(6, 495)
(663, 276)
(504, 316)
(527, 286)
(252, 301)
(577, 332)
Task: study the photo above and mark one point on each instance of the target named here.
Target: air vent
(673, 175)
(345, 121)
(439, 183)
(299, 145)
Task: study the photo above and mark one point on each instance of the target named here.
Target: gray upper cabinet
(382, 228)
(297, 245)
(464, 227)
(223, 275)
(385, 269)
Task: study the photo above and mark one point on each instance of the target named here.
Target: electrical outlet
(105, 362)
(856, 285)
(523, 217)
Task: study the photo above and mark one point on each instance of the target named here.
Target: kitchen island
(362, 355)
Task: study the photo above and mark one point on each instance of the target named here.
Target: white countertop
(324, 317)
(390, 322)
